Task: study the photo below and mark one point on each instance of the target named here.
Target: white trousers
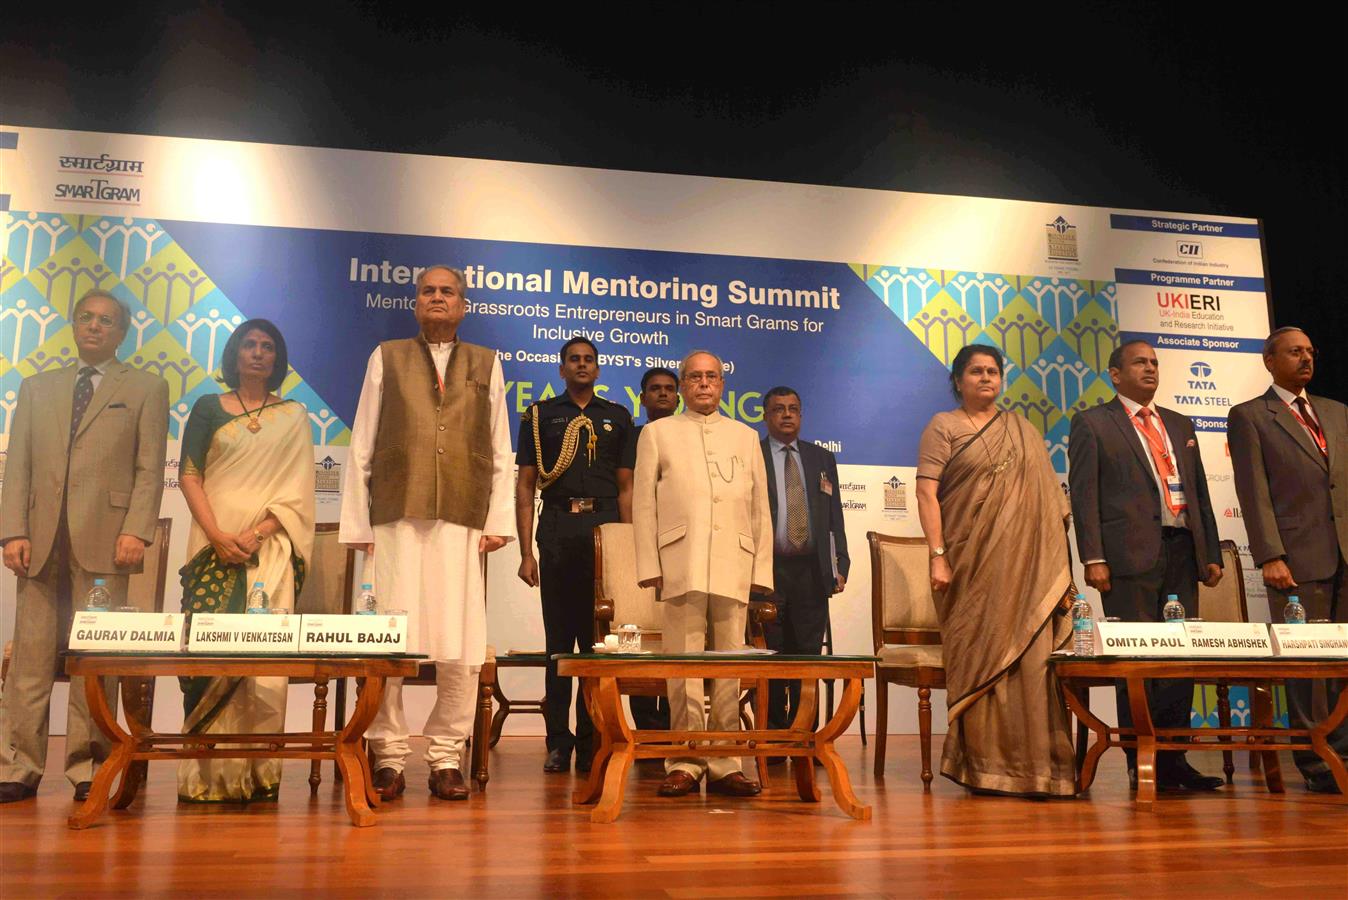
(448, 726)
(689, 620)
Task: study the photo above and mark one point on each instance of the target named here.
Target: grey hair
(457, 273)
(1271, 342)
(683, 364)
(122, 308)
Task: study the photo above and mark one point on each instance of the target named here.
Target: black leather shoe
(584, 760)
(82, 791)
(1323, 784)
(14, 791)
(389, 784)
(1185, 777)
(557, 761)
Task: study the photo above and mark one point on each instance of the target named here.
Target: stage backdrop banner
(857, 299)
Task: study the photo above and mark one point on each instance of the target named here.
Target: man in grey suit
(1144, 527)
(809, 560)
(1289, 452)
(83, 482)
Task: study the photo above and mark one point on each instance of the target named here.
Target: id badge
(1176, 489)
(825, 485)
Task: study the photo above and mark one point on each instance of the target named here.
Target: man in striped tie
(83, 482)
(809, 560)
(1145, 528)
(1289, 454)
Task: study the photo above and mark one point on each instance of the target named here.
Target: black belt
(579, 505)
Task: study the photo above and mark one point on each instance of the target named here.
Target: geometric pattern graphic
(1205, 714)
(180, 319)
(1056, 334)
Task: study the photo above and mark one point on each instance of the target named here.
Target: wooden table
(515, 659)
(141, 743)
(620, 744)
(1078, 675)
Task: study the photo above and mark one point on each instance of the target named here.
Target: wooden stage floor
(524, 839)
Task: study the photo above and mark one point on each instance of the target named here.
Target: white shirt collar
(1132, 406)
(100, 368)
(778, 445)
(1287, 396)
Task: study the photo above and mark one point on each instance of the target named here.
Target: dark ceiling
(1183, 107)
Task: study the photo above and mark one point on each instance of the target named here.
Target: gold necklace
(994, 467)
(254, 417)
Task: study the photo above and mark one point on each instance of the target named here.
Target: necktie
(1165, 466)
(1311, 425)
(797, 526)
(84, 392)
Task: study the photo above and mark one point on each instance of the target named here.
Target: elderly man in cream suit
(704, 540)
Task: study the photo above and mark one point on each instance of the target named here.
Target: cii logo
(1189, 249)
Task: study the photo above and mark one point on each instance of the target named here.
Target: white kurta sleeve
(644, 518)
(355, 526)
(761, 516)
(501, 507)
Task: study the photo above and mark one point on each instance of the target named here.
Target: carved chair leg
(881, 724)
(320, 720)
(339, 722)
(924, 728)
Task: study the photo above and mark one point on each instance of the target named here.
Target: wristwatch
(939, 551)
(257, 533)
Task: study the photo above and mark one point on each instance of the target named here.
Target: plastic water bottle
(1083, 627)
(1173, 611)
(1294, 613)
(99, 600)
(257, 600)
(365, 602)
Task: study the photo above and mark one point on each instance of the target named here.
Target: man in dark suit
(1289, 452)
(1144, 527)
(81, 501)
(809, 561)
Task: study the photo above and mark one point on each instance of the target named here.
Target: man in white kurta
(428, 491)
(703, 535)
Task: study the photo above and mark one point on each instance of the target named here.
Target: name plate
(1141, 639)
(1323, 640)
(361, 635)
(243, 633)
(1228, 639)
(135, 631)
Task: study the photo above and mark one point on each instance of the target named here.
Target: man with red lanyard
(1289, 452)
(1144, 528)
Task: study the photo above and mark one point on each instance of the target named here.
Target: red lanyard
(1317, 433)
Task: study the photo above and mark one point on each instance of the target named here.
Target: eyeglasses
(702, 377)
(85, 318)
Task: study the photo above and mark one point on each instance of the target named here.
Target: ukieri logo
(1062, 240)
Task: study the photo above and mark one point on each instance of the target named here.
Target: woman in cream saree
(993, 513)
(247, 472)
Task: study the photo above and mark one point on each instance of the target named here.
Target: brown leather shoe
(82, 791)
(734, 785)
(678, 784)
(448, 784)
(14, 791)
(389, 784)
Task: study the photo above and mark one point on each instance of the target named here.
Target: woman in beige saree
(993, 513)
(247, 473)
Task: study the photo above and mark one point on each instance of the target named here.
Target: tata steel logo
(1189, 249)
(1200, 369)
(1201, 389)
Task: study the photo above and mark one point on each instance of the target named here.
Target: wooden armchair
(907, 636)
(618, 601)
(1226, 603)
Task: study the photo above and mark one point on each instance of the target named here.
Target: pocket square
(1191, 443)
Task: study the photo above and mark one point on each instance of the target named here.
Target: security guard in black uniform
(579, 450)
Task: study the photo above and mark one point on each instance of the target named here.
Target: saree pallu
(1002, 512)
(246, 476)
